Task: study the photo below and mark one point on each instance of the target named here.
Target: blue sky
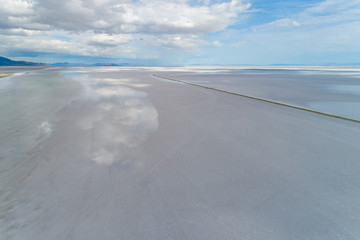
(182, 32)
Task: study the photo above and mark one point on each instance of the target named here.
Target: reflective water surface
(326, 90)
(119, 117)
(60, 131)
(114, 153)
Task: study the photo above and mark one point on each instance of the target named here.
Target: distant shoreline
(6, 71)
(5, 75)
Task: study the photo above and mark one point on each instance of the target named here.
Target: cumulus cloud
(21, 32)
(123, 16)
(171, 41)
(106, 40)
(16, 7)
(108, 28)
(168, 28)
(86, 44)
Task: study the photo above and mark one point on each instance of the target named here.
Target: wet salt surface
(119, 116)
(5, 83)
(334, 91)
(65, 122)
(114, 153)
(345, 109)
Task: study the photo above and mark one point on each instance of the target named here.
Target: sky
(182, 32)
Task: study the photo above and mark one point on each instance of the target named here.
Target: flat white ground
(115, 153)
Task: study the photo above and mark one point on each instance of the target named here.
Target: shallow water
(119, 116)
(326, 90)
(114, 153)
(64, 121)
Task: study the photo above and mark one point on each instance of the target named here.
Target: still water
(60, 129)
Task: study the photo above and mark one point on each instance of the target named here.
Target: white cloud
(285, 22)
(332, 7)
(217, 44)
(16, 7)
(113, 24)
(158, 28)
(21, 32)
(171, 41)
(98, 45)
(326, 32)
(106, 40)
(122, 16)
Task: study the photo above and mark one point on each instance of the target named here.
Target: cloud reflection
(119, 118)
(45, 129)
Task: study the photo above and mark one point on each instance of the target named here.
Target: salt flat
(333, 90)
(115, 153)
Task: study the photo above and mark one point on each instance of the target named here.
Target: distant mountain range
(68, 64)
(8, 62)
